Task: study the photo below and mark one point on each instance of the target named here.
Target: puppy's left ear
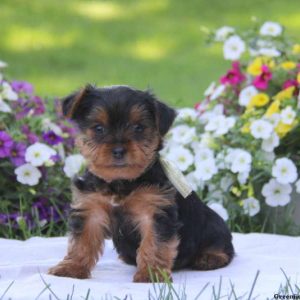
(165, 117)
(164, 114)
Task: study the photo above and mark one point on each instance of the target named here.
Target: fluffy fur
(125, 194)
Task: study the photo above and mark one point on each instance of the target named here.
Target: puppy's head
(121, 129)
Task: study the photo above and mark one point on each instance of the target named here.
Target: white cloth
(25, 262)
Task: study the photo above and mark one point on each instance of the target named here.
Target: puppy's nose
(118, 152)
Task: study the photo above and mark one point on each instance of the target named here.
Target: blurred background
(60, 45)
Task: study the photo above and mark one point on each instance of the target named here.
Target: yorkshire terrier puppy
(125, 193)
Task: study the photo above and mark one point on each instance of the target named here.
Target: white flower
(222, 33)
(261, 129)
(221, 160)
(270, 52)
(219, 209)
(182, 157)
(274, 119)
(73, 164)
(48, 125)
(218, 92)
(271, 28)
(38, 154)
(246, 95)
(183, 134)
(271, 143)
(8, 93)
(226, 182)
(209, 114)
(194, 182)
(28, 174)
(220, 124)
(233, 48)
(187, 114)
(243, 176)
(241, 161)
(288, 115)
(205, 170)
(203, 154)
(251, 206)
(4, 107)
(268, 156)
(297, 184)
(277, 194)
(284, 170)
(210, 89)
(3, 64)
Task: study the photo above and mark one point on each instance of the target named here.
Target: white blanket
(24, 264)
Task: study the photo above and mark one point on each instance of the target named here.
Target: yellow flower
(296, 49)
(285, 94)
(288, 65)
(246, 128)
(298, 78)
(282, 129)
(259, 100)
(254, 68)
(273, 108)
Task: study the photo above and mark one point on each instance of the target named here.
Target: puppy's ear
(70, 104)
(165, 115)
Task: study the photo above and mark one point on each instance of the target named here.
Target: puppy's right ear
(71, 103)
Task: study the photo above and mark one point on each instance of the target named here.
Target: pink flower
(291, 82)
(233, 76)
(262, 81)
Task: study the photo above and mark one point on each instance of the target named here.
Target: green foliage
(60, 45)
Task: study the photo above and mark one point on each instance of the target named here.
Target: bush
(239, 147)
(36, 150)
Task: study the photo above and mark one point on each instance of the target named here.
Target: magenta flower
(234, 76)
(17, 154)
(6, 142)
(262, 81)
(22, 87)
(51, 138)
(291, 82)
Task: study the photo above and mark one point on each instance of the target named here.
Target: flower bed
(36, 163)
(240, 147)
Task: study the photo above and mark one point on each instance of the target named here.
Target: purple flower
(46, 211)
(17, 154)
(22, 87)
(6, 143)
(31, 137)
(28, 107)
(52, 138)
(39, 107)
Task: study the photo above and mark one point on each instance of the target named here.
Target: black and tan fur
(125, 194)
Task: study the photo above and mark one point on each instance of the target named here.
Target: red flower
(262, 81)
(233, 76)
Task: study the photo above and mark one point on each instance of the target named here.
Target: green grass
(167, 291)
(60, 45)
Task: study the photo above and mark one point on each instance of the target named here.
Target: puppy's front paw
(142, 276)
(69, 269)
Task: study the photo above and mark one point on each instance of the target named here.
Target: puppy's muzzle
(118, 152)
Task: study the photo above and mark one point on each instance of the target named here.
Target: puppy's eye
(138, 128)
(99, 129)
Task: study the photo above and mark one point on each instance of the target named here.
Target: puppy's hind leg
(89, 224)
(211, 259)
